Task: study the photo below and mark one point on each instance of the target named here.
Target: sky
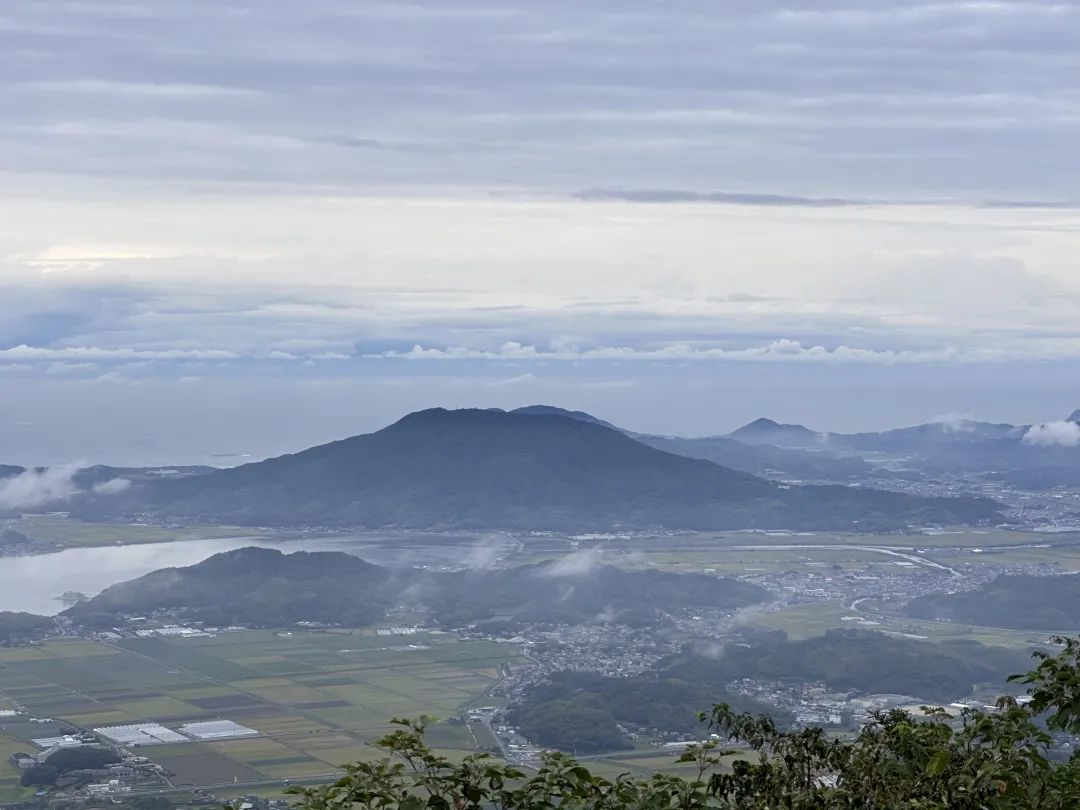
(234, 229)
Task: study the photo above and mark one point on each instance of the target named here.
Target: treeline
(66, 761)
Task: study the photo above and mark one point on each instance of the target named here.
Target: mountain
(551, 410)
(1074, 416)
(763, 460)
(766, 459)
(930, 437)
(959, 446)
(476, 469)
(1021, 601)
(766, 431)
(250, 586)
(266, 588)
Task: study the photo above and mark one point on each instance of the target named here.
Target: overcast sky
(243, 227)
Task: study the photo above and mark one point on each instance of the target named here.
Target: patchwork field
(318, 699)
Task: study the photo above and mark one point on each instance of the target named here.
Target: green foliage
(82, 758)
(666, 697)
(578, 711)
(981, 761)
(39, 776)
(861, 660)
(579, 723)
(23, 626)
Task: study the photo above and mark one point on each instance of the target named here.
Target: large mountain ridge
(485, 469)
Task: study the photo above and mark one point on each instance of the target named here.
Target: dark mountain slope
(490, 469)
(760, 459)
(1021, 601)
(251, 586)
(766, 459)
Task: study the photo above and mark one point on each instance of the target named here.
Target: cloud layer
(213, 205)
(765, 101)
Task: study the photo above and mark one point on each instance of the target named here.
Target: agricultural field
(649, 762)
(317, 699)
(805, 621)
(58, 528)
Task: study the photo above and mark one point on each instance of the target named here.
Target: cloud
(113, 486)
(159, 90)
(574, 95)
(91, 353)
(1064, 434)
(527, 377)
(722, 197)
(572, 565)
(33, 488)
(484, 554)
(782, 350)
(954, 422)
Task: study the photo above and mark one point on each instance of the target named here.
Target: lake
(35, 583)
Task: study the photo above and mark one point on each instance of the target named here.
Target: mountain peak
(1075, 416)
(768, 431)
(760, 423)
(554, 410)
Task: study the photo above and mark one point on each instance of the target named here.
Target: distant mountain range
(1026, 456)
(485, 469)
(765, 460)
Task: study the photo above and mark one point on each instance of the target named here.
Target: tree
(39, 776)
(981, 761)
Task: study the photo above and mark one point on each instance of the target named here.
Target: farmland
(318, 699)
(71, 533)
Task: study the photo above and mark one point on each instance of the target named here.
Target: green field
(54, 528)
(813, 620)
(318, 699)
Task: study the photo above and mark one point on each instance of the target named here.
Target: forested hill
(491, 469)
(1021, 601)
(264, 588)
(582, 711)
